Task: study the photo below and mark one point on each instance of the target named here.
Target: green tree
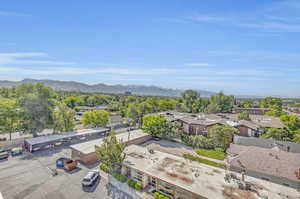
(72, 101)
(132, 112)
(111, 154)
(213, 108)
(95, 118)
(246, 103)
(244, 116)
(37, 103)
(296, 137)
(222, 103)
(277, 134)
(291, 122)
(189, 98)
(9, 116)
(156, 125)
(63, 118)
(222, 135)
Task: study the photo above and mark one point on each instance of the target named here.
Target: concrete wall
(274, 179)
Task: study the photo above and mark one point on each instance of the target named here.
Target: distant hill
(103, 88)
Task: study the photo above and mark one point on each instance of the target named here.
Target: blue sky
(239, 47)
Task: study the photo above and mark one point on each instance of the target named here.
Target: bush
(119, 177)
(204, 161)
(104, 168)
(158, 195)
(134, 184)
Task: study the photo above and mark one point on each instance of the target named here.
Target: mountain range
(103, 88)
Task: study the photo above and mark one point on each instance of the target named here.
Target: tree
(189, 98)
(156, 125)
(200, 105)
(246, 103)
(277, 134)
(95, 118)
(244, 116)
(213, 108)
(222, 135)
(222, 103)
(274, 104)
(9, 116)
(111, 154)
(291, 122)
(37, 104)
(63, 118)
(72, 101)
(132, 113)
(296, 137)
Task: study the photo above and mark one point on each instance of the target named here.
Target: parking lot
(29, 176)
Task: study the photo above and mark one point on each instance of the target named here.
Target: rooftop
(51, 138)
(194, 177)
(89, 147)
(273, 161)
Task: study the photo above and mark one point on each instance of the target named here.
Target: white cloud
(27, 58)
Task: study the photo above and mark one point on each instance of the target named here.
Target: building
(251, 111)
(200, 125)
(85, 152)
(267, 143)
(272, 164)
(179, 178)
(50, 141)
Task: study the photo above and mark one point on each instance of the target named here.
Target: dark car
(60, 162)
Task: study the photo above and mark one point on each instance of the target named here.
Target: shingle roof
(269, 161)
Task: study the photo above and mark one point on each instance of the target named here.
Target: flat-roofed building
(179, 178)
(252, 111)
(86, 153)
(50, 141)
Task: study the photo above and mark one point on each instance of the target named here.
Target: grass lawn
(211, 153)
(204, 161)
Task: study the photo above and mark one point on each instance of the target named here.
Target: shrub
(204, 161)
(119, 177)
(158, 195)
(104, 168)
(134, 184)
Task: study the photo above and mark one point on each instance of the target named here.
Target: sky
(239, 47)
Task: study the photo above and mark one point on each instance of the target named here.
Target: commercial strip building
(45, 142)
(272, 164)
(85, 152)
(179, 178)
(252, 111)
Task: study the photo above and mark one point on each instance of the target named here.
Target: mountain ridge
(103, 88)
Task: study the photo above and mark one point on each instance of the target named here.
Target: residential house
(252, 111)
(273, 164)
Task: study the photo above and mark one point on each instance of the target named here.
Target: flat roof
(89, 147)
(52, 138)
(194, 177)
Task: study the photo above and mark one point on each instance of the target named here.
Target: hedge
(134, 184)
(120, 177)
(204, 161)
(158, 195)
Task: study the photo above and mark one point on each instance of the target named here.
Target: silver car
(91, 178)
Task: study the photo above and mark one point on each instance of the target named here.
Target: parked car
(91, 178)
(4, 155)
(16, 151)
(60, 162)
(70, 165)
